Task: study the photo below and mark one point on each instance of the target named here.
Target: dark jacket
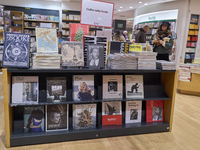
(140, 37)
(85, 96)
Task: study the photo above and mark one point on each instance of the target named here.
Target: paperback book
(133, 111)
(134, 86)
(112, 86)
(33, 119)
(56, 117)
(83, 87)
(84, 116)
(25, 89)
(111, 113)
(56, 89)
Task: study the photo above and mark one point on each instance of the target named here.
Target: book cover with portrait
(84, 116)
(56, 117)
(56, 89)
(25, 89)
(112, 86)
(83, 87)
(134, 86)
(154, 111)
(33, 119)
(111, 113)
(133, 111)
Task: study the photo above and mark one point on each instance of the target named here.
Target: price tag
(135, 48)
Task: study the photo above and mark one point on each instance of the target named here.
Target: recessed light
(128, 21)
(140, 2)
(131, 7)
(119, 10)
(120, 7)
(145, 4)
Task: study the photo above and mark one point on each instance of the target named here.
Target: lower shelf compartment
(101, 132)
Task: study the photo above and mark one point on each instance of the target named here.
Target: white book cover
(25, 89)
(83, 87)
(134, 86)
(84, 116)
(133, 111)
(112, 86)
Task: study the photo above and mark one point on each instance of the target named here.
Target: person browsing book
(162, 41)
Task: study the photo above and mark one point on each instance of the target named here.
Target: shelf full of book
(159, 87)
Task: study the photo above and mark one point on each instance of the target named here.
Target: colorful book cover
(84, 116)
(111, 113)
(16, 50)
(77, 31)
(154, 111)
(1, 35)
(33, 119)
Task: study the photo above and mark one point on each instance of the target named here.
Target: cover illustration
(1, 35)
(34, 119)
(77, 31)
(16, 50)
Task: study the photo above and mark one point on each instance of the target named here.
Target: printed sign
(135, 48)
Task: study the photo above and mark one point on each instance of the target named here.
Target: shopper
(119, 37)
(162, 41)
(141, 36)
(59, 35)
(125, 34)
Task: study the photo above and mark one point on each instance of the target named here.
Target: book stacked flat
(165, 65)
(184, 73)
(195, 68)
(46, 61)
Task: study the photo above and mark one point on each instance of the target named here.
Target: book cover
(95, 56)
(111, 113)
(56, 89)
(72, 54)
(25, 89)
(1, 35)
(56, 117)
(83, 87)
(84, 116)
(112, 86)
(134, 86)
(46, 39)
(119, 47)
(16, 50)
(154, 111)
(34, 119)
(77, 31)
(133, 111)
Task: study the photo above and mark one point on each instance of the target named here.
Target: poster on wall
(77, 31)
(97, 13)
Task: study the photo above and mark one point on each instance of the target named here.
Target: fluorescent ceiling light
(140, 2)
(145, 4)
(119, 10)
(120, 7)
(131, 7)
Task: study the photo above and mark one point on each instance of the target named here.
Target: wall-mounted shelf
(47, 21)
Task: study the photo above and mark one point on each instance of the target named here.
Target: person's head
(118, 33)
(55, 116)
(59, 34)
(165, 26)
(37, 114)
(125, 32)
(156, 110)
(146, 28)
(83, 87)
(94, 53)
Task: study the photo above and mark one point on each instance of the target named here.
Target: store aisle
(184, 136)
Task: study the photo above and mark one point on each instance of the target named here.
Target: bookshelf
(17, 21)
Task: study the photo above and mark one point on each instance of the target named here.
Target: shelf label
(135, 48)
(27, 8)
(65, 10)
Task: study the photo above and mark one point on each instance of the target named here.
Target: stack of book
(165, 65)
(195, 68)
(184, 73)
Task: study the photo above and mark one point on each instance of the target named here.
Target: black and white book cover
(72, 54)
(83, 87)
(56, 89)
(119, 47)
(133, 111)
(25, 89)
(16, 50)
(95, 56)
(33, 119)
(134, 86)
(56, 117)
(84, 116)
(112, 86)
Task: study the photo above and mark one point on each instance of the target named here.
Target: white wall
(76, 6)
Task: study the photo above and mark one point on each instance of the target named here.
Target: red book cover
(111, 113)
(154, 111)
(77, 31)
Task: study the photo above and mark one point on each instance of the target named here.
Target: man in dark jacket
(141, 36)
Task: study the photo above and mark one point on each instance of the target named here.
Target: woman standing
(162, 41)
(119, 37)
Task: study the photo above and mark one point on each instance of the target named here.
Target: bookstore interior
(87, 69)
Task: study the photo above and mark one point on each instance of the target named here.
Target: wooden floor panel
(185, 134)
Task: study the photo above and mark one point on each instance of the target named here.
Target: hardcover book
(72, 54)
(134, 86)
(46, 39)
(34, 119)
(112, 86)
(154, 111)
(77, 31)
(84, 116)
(83, 87)
(133, 111)
(111, 113)
(119, 47)
(56, 117)
(25, 89)
(56, 89)
(16, 50)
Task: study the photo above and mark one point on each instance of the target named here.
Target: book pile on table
(184, 73)
(195, 68)
(165, 65)
(122, 61)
